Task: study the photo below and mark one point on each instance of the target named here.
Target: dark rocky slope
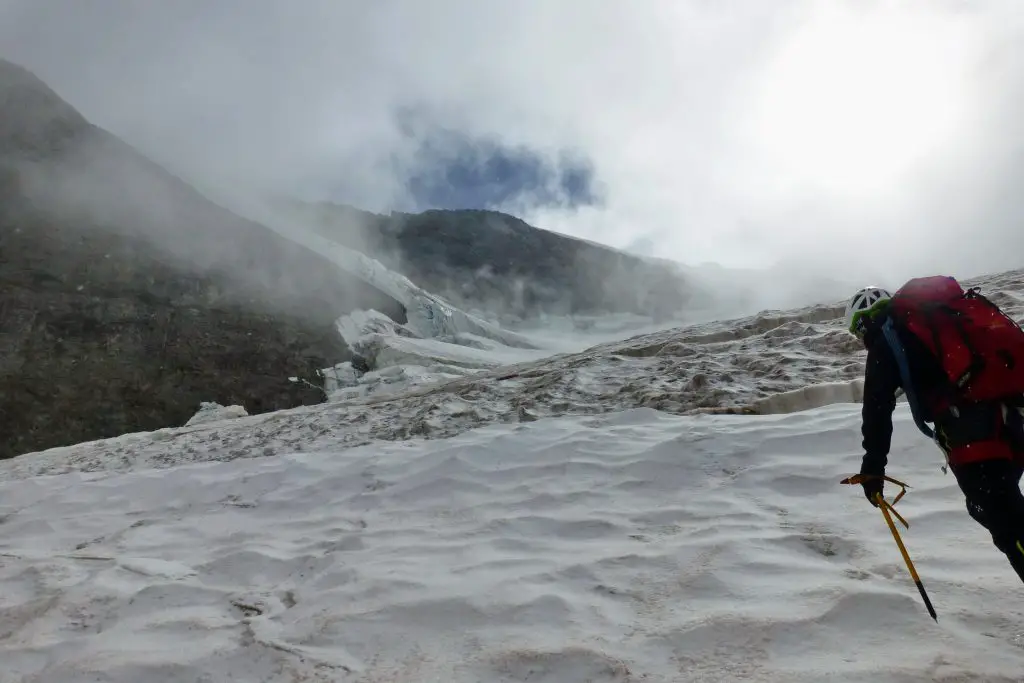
(127, 298)
(502, 264)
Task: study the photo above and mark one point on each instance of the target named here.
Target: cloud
(873, 139)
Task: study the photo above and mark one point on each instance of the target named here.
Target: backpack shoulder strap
(889, 332)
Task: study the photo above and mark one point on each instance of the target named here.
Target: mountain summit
(497, 262)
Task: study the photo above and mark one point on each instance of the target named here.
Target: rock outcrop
(127, 298)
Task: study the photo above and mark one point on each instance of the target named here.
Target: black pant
(994, 500)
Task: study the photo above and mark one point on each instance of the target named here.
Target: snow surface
(663, 508)
(633, 546)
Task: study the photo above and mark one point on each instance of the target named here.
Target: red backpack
(979, 347)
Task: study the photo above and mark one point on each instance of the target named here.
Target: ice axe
(888, 511)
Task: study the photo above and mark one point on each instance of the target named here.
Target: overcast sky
(877, 136)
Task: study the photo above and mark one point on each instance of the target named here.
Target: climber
(971, 396)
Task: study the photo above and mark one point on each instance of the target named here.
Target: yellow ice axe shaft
(885, 508)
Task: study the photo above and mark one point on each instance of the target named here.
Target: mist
(844, 142)
(81, 189)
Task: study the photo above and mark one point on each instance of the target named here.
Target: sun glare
(856, 99)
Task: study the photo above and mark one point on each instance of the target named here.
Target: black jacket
(881, 382)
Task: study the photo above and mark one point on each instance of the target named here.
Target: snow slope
(634, 546)
(534, 522)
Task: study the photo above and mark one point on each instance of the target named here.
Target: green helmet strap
(857, 322)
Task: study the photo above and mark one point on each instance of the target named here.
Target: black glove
(873, 483)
